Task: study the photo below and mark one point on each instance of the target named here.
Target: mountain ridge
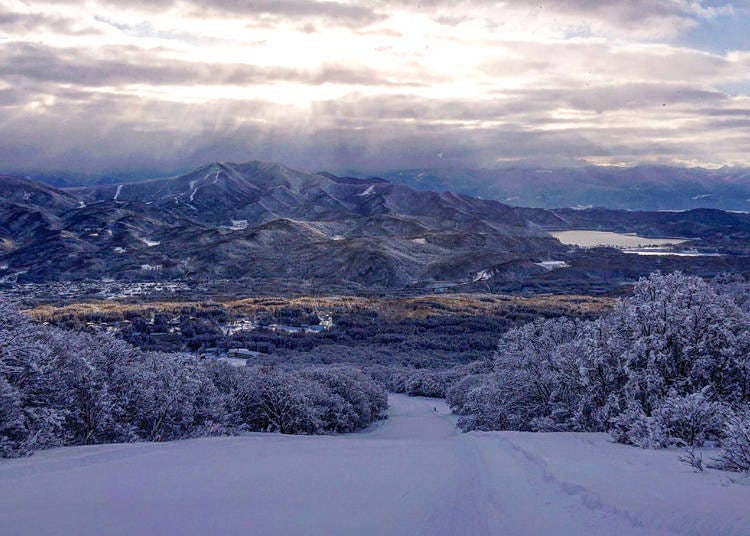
(264, 220)
(640, 187)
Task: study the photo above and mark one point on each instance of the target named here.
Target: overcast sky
(154, 86)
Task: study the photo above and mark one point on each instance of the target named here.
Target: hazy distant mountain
(636, 188)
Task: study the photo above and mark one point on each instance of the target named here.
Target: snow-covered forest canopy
(669, 366)
(60, 387)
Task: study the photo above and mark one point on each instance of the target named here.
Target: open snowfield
(413, 474)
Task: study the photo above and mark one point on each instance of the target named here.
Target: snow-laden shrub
(735, 444)
(363, 400)
(281, 402)
(13, 432)
(429, 383)
(530, 368)
(482, 409)
(419, 381)
(683, 421)
(546, 376)
(692, 458)
(690, 420)
(457, 396)
(634, 427)
(316, 401)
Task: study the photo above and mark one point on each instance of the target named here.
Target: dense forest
(436, 332)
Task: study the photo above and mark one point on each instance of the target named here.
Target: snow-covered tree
(13, 428)
(665, 367)
(681, 338)
(736, 443)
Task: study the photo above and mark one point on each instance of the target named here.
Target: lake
(590, 239)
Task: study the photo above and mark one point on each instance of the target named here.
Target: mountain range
(266, 221)
(644, 187)
(627, 188)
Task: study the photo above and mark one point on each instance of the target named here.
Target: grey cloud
(624, 96)
(725, 112)
(629, 63)
(598, 17)
(24, 23)
(131, 65)
(631, 11)
(291, 8)
(288, 9)
(12, 97)
(528, 105)
(738, 123)
(634, 11)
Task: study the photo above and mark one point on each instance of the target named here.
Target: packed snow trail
(412, 474)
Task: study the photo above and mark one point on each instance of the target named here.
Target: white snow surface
(553, 265)
(412, 474)
(370, 190)
(238, 225)
(483, 275)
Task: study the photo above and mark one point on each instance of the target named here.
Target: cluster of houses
(100, 289)
(239, 357)
(171, 332)
(326, 323)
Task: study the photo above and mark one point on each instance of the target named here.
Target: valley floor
(412, 474)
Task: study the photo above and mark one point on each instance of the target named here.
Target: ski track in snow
(411, 474)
